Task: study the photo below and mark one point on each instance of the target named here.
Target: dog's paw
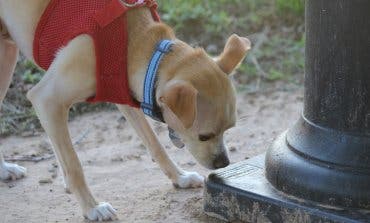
(10, 171)
(189, 180)
(102, 212)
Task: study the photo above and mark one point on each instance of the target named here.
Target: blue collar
(149, 104)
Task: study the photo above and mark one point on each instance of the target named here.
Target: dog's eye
(206, 137)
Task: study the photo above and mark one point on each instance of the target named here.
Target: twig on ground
(262, 38)
(36, 159)
(30, 158)
(82, 137)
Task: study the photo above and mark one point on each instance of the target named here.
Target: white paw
(189, 180)
(102, 212)
(10, 171)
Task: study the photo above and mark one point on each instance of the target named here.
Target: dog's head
(199, 102)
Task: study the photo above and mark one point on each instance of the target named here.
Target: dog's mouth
(221, 161)
(218, 162)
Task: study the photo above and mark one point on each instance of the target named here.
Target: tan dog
(194, 92)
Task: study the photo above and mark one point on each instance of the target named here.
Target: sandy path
(120, 171)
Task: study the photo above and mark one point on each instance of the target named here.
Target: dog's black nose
(221, 161)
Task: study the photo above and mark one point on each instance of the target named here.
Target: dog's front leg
(179, 177)
(8, 59)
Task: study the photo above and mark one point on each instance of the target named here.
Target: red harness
(106, 23)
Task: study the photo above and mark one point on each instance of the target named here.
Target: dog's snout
(221, 161)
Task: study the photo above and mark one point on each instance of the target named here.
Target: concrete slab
(241, 192)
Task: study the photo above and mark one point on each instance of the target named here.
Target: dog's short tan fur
(194, 93)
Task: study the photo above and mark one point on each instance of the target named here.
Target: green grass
(209, 22)
(291, 6)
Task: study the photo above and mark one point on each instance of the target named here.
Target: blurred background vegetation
(275, 27)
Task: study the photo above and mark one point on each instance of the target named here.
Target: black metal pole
(325, 157)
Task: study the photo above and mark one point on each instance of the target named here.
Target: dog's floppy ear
(178, 102)
(235, 50)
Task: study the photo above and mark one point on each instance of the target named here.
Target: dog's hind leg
(8, 60)
(70, 79)
(179, 177)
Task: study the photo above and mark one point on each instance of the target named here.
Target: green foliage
(280, 57)
(205, 21)
(31, 78)
(31, 74)
(293, 6)
(274, 75)
(195, 17)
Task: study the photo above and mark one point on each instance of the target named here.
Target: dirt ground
(120, 171)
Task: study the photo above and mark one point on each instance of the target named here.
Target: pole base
(309, 162)
(241, 192)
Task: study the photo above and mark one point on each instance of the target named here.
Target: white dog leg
(8, 60)
(179, 177)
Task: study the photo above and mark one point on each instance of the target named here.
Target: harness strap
(116, 8)
(149, 104)
(109, 13)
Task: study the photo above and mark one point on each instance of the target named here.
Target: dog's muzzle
(221, 161)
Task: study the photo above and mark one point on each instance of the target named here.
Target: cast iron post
(325, 157)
